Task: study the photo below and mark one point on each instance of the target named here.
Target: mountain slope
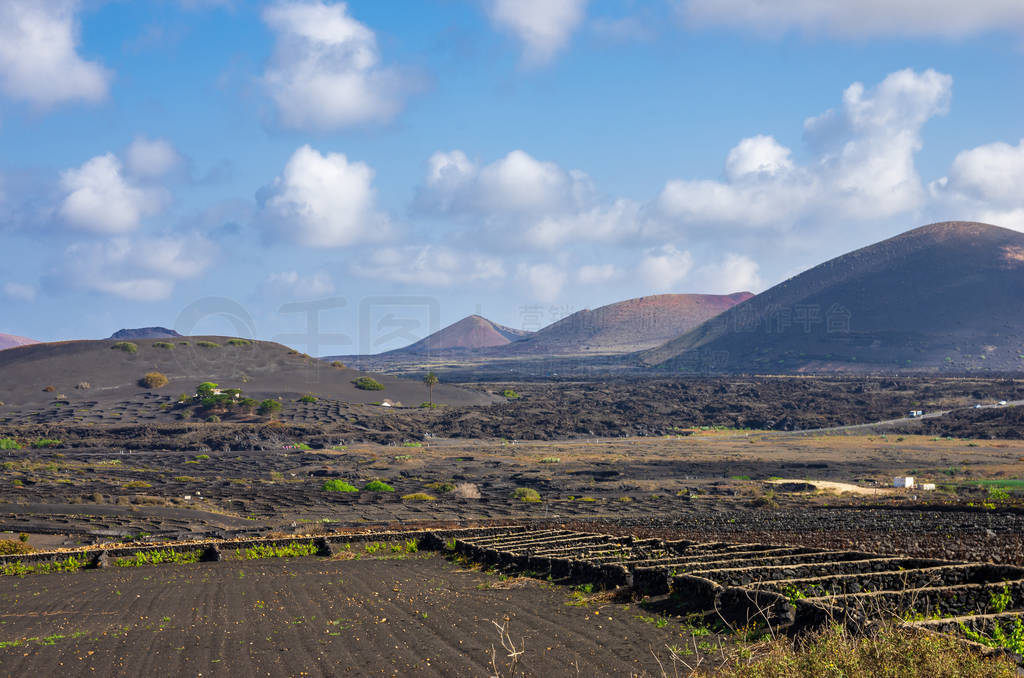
(102, 371)
(472, 332)
(625, 326)
(11, 340)
(946, 296)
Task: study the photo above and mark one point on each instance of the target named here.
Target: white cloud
(990, 172)
(325, 72)
(429, 265)
(323, 201)
(863, 165)
(859, 18)
(543, 26)
(1009, 218)
(38, 58)
(19, 291)
(520, 198)
(294, 284)
(151, 158)
(137, 269)
(597, 274)
(734, 273)
(665, 267)
(100, 199)
(545, 281)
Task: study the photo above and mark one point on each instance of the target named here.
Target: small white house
(928, 487)
(915, 413)
(906, 482)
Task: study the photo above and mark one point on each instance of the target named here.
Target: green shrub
(136, 485)
(551, 460)
(166, 345)
(441, 487)
(338, 485)
(269, 407)
(239, 342)
(126, 346)
(526, 494)
(9, 547)
(308, 399)
(47, 442)
(202, 457)
(338, 365)
(9, 444)
(213, 419)
(418, 496)
(430, 405)
(207, 344)
(510, 394)
(153, 380)
(368, 384)
(377, 486)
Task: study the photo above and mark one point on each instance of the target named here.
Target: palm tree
(430, 380)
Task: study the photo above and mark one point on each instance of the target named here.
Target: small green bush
(126, 346)
(308, 399)
(377, 486)
(136, 485)
(551, 460)
(166, 345)
(527, 494)
(338, 365)
(9, 547)
(239, 342)
(207, 344)
(153, 380)
(368, 384)
(441, 487)
(430, 405)
(269, 407)
(9, 444)
(510, 394)
(337, 485)
(47, 442)
(213, 419)
(202, 457)
(418, 496)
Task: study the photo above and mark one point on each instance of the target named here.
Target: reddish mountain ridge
(942, 297)
(471, 333)
(11, 340)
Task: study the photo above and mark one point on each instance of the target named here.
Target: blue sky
(202, 163)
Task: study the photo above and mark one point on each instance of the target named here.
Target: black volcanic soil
(311, 617)
(546, 411)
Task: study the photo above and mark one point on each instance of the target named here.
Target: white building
(903, 481)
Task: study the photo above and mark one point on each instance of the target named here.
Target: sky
(347, 177)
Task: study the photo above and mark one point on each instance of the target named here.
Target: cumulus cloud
(540, 203)
(322, 201)
(99, 198)
(863, 165)
(861, 18)
(19, 291)
(543, 26)
(38, 58)
(984, 184)
(152, 158)
(733, 273)
(597, 274)
(137, 269)
(544, 281)
(325, 71)
(664, 268)
(295, 284)
(429, 265)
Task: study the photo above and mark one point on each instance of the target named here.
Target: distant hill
(10, 341)
(145, 333)
(102, 371)
(472, 332)
(943, 297)
(625, 326)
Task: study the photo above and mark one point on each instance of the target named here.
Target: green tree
(431, 381)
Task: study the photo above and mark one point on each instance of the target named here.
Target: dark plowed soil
(311, 617)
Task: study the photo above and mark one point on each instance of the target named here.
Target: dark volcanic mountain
(947, 296)
(625, 326)
(104, 371)
(144, 333)
(472, 332)
(11, 340)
